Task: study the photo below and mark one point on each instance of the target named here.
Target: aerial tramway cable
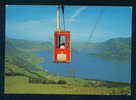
(96, 24)
(63, 14)
(94, 28)
(60, 20)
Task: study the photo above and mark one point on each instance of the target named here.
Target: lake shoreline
(45, 67)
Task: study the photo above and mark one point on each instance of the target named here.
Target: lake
(86, 66)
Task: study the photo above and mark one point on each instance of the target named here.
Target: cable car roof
(62, 31)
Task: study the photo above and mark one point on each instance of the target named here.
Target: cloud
(101, 36)
(77, 13)
(30, 29)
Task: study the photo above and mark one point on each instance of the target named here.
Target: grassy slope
(21, 66)
(18, 62)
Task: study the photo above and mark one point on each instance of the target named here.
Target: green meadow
(21, 85)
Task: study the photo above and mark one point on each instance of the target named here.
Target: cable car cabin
(62, 47)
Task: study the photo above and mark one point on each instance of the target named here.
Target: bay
(86, 66)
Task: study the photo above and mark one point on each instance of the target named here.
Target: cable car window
(67, 42)
(61, 42)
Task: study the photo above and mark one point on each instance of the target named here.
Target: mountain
(30, 45)
(115, 49)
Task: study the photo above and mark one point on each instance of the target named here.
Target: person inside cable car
(62, 46)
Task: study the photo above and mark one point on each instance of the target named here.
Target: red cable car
(62, 48)
(62, 43)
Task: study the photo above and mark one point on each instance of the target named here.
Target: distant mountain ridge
(29, 44)
(117, 49)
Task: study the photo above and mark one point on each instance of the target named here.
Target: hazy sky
(39, 22)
